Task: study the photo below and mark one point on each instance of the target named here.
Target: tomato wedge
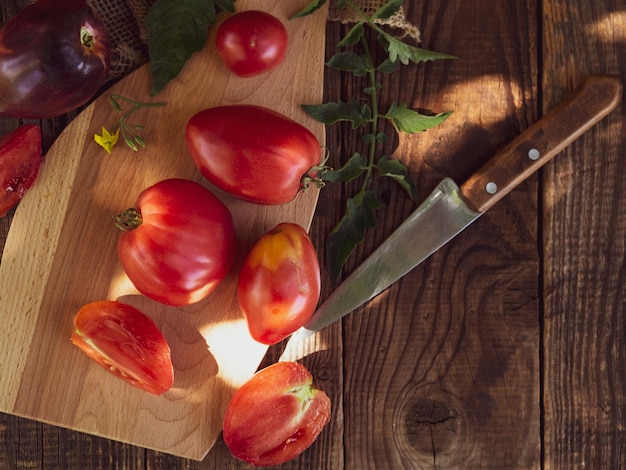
(20, 159)
(126, 342)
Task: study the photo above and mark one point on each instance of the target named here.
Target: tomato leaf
(406, 53)
(388, 10)
(349, 61)
(352, 169)
(412, 122)
(353, 36)
(388, 66)
(350, 231)
(177, 29)
(225, 5)
(310, 8)
(399, 172)
(332, 112)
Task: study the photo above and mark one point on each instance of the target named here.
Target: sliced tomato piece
(275, 415)
(20, 159)
(126, 342)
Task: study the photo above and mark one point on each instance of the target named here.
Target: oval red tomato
(20, 159)
(125, 342)
(251, 42)
(279, 283)
(179, 242)
(251, 152)
(275, 415)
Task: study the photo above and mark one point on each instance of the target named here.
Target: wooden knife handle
(596, 97)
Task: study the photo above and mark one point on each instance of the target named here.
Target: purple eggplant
(54, 57)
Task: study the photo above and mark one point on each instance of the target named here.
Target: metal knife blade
(436, 221)
(450, 209)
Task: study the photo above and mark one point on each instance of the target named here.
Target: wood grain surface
(60, 254)
(506, 348)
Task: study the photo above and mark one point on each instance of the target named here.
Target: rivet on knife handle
(596, 97)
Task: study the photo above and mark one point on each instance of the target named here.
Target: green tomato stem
(128, 220)
(374, 121)
(132, 140)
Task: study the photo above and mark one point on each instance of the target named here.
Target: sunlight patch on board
(232, 346)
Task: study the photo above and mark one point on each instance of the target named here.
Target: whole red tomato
(276, 415)
(251, 42)
(253, 153)
(125, 342)
(20, 159)
(54, 57)
(279, 283)
(178, 243)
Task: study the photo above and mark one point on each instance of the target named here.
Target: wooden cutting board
(61, 254)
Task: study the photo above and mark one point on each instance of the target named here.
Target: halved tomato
(20, 159)
(276, 415)
(126, 342)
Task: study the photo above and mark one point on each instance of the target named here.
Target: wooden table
(506, 349)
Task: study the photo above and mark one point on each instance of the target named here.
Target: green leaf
(226, 5)
(388, 66)
(350, 62)
(368, 138)
(353, 36)
(114, 103)
(310, 8)
(350, 231)
(388, 10)
(351, 170)
(332, 112)
(177, 29)
(406, 53)
(412, 122)
(399, 172)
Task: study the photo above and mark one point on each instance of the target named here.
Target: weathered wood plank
(433, 366)
(585, 249)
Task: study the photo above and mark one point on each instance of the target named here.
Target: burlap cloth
(128, 38)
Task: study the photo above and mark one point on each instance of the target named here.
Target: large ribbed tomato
(253, 153)
(179, 242)
(279, 283)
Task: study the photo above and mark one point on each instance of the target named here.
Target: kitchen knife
(450, 209)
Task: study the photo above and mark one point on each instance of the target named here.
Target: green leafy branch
(109, 138)
(360, 214)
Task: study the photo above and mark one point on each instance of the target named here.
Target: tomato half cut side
(126, 342)
(20, 159)
(276, 415)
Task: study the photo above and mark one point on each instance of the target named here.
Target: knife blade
(450, 208)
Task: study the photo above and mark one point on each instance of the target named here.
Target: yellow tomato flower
(107, 140)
